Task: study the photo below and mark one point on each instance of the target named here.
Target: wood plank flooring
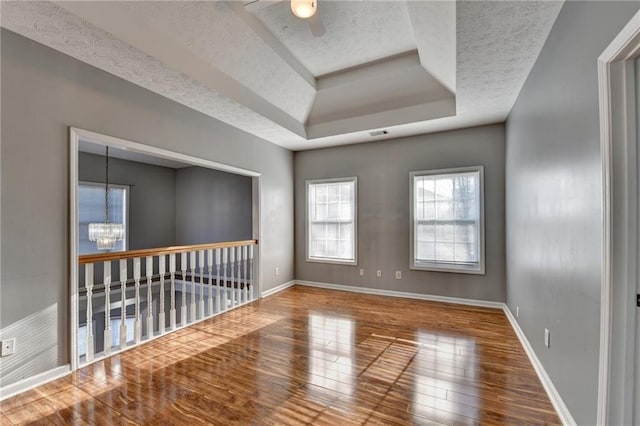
(308, 356)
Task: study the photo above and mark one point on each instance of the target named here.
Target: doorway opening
(619, 369)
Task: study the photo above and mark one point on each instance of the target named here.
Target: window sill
(457, 269)
(333, 261)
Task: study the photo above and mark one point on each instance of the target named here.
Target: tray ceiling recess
(353, 69)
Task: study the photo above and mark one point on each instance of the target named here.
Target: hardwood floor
(308, 356)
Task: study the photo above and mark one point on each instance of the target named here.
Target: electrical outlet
(398, 275)
(276, 271)
(547, 338)
(362, 272)
(8, 347)
(379, 273)
(517, 311)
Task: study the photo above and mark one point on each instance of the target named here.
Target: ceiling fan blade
(255, 6)
(316, 25)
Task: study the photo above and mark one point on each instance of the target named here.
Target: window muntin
(447, 220)
(331, 220)
(91, 209)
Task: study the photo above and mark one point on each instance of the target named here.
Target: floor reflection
(331, 343)
(440, 367)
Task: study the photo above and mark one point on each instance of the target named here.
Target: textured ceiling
(357, 32)
(212, 58)
(212, 29)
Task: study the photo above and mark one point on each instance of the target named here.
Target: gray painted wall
(43, 93)
(636, 408)
(152, 197)
(383, 170)
(212, 206)
(553, 200)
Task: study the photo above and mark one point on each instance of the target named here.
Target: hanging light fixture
(106, 234)
(304, 8)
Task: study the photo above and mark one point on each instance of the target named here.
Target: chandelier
(106, 234)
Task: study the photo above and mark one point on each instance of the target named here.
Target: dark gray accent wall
(152, 197)
(553, 169)
(43, 93)
(383, 170)
(212, 206)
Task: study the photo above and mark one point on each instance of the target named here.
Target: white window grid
(447, 226)
(84, 247)
(331, 220)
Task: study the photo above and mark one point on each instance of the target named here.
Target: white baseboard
(34, 381)
(277, 289)
(406, 295)
(563, 412)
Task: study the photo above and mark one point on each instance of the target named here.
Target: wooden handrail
(105, 257)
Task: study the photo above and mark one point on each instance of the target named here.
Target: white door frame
(75, 136)
(618, 144)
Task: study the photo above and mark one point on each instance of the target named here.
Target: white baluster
(225, 258)
(88, 283)
(201, 305)
(162, 270)
(123, 303)
(183, 304)
(107, 307)
(138, 319)
(244, 273)
(232, 266)
(218, 304)
(172, 308)
(149, 271)
(210, 267)
(192, 308)
(251, 272)
(239, 275)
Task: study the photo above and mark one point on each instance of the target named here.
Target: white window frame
(353, 261)
(443, 266)
(127, 190)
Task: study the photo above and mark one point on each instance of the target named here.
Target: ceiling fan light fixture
(304, 8)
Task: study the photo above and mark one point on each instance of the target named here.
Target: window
(91, 209)
(331, 220)
(447, 223)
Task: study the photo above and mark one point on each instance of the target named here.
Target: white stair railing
(222, 273)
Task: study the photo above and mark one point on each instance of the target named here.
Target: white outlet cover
(362, 272)
(517, 311)
(276, 271)
(379, 273)
(8, 347)
(398, 275)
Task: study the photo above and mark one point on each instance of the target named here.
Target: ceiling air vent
(379, 133)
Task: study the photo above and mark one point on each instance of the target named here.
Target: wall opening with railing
(189, 251)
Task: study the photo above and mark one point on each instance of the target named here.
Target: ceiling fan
(303, 9)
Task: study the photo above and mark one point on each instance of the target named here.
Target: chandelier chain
(106, 189)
